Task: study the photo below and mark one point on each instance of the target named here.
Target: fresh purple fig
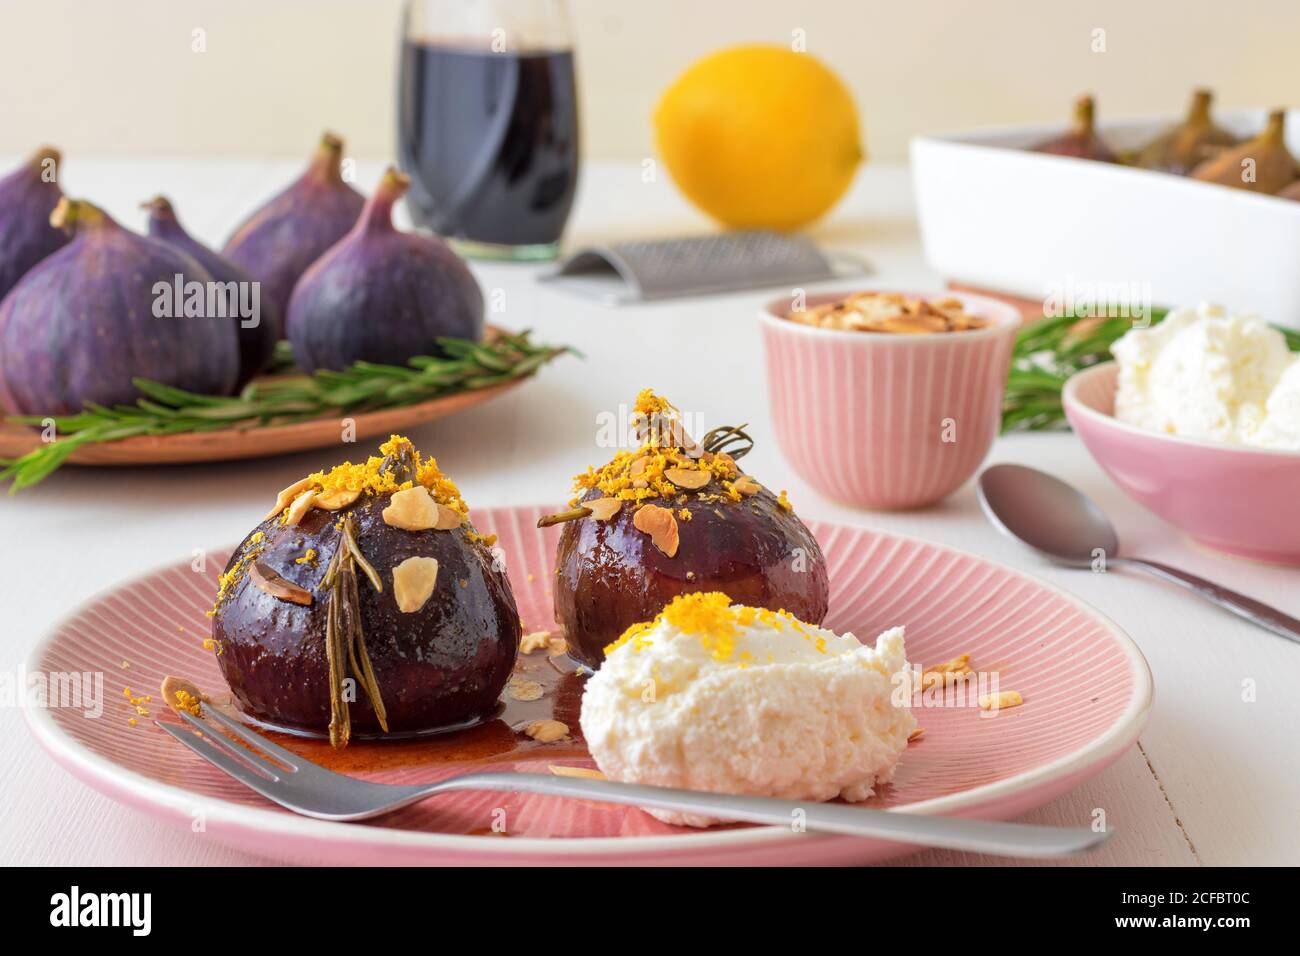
(1081, 140)
(277, 243)
(27, 197)
(256, 318)
(381, 295)
(108, 307)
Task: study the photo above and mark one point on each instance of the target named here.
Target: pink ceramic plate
(1086, 694)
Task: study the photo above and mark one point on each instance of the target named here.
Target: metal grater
(641, 271)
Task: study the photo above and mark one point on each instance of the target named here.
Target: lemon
(759, 136)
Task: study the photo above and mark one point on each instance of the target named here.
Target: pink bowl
(881, 420)
(1235, 499)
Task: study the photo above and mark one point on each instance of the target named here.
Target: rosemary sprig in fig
(345, 641)
(165, 410)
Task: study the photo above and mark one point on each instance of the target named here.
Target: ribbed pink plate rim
(1000, 798)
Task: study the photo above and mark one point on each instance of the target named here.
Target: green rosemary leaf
(166, 410)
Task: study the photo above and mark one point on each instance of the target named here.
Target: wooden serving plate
(250, 441)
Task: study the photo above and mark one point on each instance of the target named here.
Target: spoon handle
(1267, 617)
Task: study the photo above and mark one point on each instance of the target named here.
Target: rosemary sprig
(165, 410)
(1049, 351)
(345, 641)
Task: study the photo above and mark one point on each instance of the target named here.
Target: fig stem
(1199, 113)
(327, 163)
(1084, 115)
(71, 214)
(573, 514)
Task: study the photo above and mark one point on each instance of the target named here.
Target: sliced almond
(747, 485)
(547, 731)
(916, 734)
(524, 690)
(273, 583)
(637, 468)
(336, 499)
(448, 518)
(582, 773)
(660, 524)
(182, 695)
(602, 509)
(688, 478)
(301, 505)
(413, 582)
(412, 509)
(287, 495)
(1001, 701)
(534, 641)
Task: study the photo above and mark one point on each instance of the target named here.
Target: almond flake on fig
(301, 505)
(602, 509)
(660, 524)
(337, 499)
(747, 485)
(287, 495)
(266, 579)
(448, 518)
(412, 509)
(413, 582)
(688, 478)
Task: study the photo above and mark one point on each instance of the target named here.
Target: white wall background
(118, 76)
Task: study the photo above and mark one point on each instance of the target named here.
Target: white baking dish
(1057, 228)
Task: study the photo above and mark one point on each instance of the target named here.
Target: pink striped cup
(885, 420)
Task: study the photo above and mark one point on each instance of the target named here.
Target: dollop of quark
(734, 699)
(1209, 374)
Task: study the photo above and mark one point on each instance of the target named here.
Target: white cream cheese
(725, 698)
(1204, 373)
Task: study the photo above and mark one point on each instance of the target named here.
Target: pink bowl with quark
(1233, 498)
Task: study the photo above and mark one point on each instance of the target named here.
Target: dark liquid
(490, 141)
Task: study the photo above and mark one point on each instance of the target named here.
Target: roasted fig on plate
(673, 517)
(1081, 140)
(366, 603)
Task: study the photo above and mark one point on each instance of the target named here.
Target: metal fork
(307, 788)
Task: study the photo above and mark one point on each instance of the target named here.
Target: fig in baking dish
(1262, 164)
(366, 603)
(673, 517)
(1182, 148)
(1081, 139)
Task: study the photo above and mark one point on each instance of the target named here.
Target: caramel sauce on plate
(499, 737)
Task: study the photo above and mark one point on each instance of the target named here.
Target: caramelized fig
(256, 318)
(1262, 165)
(1182, 148)
(664, 533)
(347, 622)
(280, 240)
(1081, 141)
(27, 197)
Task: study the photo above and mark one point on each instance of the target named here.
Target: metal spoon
(1061, 523)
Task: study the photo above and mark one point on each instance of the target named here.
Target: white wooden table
(1212, 781)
